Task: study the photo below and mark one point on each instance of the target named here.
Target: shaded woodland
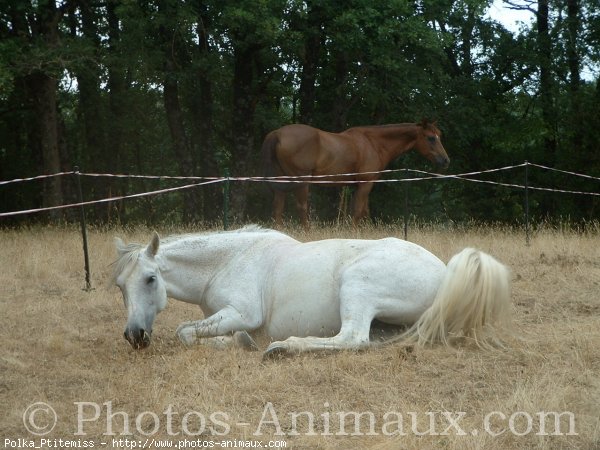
(190, 88)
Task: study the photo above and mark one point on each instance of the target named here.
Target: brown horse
(300, 150)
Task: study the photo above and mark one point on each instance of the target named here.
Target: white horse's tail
(472, 301)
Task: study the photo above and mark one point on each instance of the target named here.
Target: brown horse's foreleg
(361, 202)
(278, 206)
(302, 204)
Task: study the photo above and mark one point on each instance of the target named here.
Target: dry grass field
(63, 346)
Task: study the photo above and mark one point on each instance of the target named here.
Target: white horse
(320, 295)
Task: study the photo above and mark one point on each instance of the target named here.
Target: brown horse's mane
(425, 124)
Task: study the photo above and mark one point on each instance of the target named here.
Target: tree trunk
(90, 105)
(43, 91)
(174, 113)
(546, 95)
(339, 109)
(580, 153)
(242, 127)
(310, 61)
(466, 35)
(202, 110)
(573, 27)
(181, 146)
(117, 105)
(43, 87)
(546, 91)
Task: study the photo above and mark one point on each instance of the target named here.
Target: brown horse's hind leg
(361, 202)
(302, 204)
(278, 205)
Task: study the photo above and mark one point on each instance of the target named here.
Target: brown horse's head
(429, 144)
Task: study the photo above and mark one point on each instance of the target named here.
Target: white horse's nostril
(138, 339)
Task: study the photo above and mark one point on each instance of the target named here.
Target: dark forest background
(190, 88)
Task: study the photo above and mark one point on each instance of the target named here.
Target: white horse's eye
(151, 279)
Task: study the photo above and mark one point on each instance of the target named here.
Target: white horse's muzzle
(138, 338)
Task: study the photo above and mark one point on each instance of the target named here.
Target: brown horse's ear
(428, 124)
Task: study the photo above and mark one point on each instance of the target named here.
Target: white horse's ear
(152, 248)
(120, 245)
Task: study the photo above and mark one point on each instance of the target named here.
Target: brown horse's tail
(271, 166)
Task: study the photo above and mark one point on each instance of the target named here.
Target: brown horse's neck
(390, 141)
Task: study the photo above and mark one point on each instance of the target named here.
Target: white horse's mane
(245, 229)
(129, 253)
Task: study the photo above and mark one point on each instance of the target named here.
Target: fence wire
(309, 179)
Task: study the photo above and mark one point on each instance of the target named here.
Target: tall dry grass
(64, 346)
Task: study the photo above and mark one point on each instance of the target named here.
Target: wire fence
(195, 182)
(309, 179)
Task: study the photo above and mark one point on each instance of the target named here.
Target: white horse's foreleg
(240, 339)
(226, 321)
(219, 342)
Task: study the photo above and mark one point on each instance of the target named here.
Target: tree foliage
(190, 88)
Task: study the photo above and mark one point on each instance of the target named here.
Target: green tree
(192, 87)
(33, 48)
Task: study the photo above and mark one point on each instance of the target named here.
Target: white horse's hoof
(186, 334)
(276, 349)
(243, 340)
(186, 324)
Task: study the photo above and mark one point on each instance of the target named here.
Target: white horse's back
(396, 278)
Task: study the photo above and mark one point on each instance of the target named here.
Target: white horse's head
(144, 293)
